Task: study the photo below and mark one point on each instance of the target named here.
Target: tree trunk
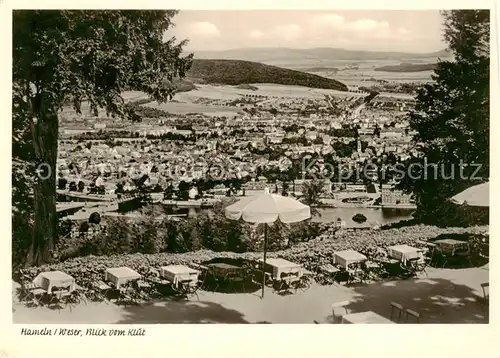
(45, 136)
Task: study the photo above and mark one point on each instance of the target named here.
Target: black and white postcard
(244, 166)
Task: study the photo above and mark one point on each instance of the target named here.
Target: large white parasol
(477, 195)
(267, 208)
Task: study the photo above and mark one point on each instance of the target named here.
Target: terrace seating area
(446, 296)
(379, 270)
(379, 263)
(345, 267)
(123, 285)
(55, 289)
(350, 266)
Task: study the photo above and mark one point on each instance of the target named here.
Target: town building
(392, 197)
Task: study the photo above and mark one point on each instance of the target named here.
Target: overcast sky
(413, 31)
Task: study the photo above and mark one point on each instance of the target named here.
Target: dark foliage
(451, 118)
(66, 57)
(95, 218)
(359, 218)
(234, 72)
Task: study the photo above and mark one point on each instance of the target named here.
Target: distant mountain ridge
(236, 72)
(277, 53)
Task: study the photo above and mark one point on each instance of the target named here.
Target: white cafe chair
(339, 305)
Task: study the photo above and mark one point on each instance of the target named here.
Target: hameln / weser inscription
(95, 332)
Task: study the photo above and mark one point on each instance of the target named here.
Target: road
(357, 110)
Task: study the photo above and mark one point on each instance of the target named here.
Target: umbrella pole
(264, 263)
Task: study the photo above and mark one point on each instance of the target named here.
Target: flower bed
(319, 251)
(311, 254)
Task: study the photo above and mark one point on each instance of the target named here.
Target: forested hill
(235, 72)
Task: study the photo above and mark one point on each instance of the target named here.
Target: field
(353, 68)
(133, 95)
(215, 92)
(185, 108)
(408, 67)
(214, 99)
(205, 99)
(360, 73)
(208, 99)
(273, 90)
(364, 74)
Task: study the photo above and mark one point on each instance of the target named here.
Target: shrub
(64, 227)
(303, 232)
(84, 227)
(115, 240)
(61, 184)
(146, 238)
(172, 240)
(214, 232)
(95, 218)
(21, 237)
(359, 218)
